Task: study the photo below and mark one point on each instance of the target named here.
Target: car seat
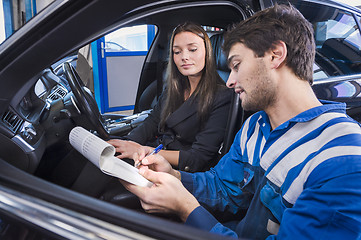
(235, 116)
(341, 55)
(220, 57)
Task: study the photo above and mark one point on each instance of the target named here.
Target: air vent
(12, 120)
(58, 93)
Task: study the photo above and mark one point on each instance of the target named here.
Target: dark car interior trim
(80, 203)
(34, 126)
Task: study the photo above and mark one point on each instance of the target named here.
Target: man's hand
(166, 195)
(125, 148)
(154, 162)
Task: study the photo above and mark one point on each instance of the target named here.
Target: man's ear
(278, 54)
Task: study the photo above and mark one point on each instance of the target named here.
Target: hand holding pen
(156, 150)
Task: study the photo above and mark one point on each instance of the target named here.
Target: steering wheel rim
(87, 104)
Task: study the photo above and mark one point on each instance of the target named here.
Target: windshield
(15, 14)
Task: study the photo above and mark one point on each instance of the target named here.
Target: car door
(337, 67)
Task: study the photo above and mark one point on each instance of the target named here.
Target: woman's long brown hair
(177, 84)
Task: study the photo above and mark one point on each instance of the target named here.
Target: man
(295, 164)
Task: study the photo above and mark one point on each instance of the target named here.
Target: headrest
(220, 57)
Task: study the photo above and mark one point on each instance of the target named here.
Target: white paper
(101, 154)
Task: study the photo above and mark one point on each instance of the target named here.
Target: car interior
(60, 101)
(153, 72)
(36, 123)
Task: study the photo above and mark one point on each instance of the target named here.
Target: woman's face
(189, 54)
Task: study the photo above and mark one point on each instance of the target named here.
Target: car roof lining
(222, 16)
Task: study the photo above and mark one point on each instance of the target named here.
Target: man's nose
(231, 82)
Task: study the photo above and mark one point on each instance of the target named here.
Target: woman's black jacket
(197, 142)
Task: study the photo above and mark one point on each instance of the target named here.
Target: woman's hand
(166, 195)
(125, 148)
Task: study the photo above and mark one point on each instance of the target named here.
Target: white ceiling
(351, 2)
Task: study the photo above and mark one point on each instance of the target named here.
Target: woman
(191, 115)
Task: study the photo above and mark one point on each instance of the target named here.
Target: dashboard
(34, 129)
(23, 127)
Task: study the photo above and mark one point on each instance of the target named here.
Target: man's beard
(264, 94)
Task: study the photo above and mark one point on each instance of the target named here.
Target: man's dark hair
(278, 23)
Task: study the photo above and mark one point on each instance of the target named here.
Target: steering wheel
(85, 100)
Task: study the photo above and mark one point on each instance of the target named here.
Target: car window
(337, 37)
(15, 14)
(129, 39)
(2, 21)
(120, 57)
(338, 44)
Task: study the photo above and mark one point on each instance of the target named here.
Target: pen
(156, 150)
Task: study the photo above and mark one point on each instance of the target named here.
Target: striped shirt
(285, 175)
